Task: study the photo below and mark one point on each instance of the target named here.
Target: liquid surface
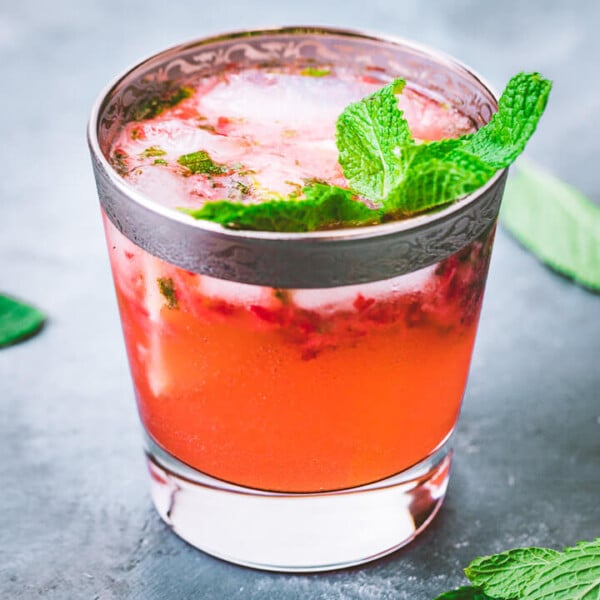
(271, 131)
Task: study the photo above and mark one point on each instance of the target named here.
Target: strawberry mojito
(287, 389)
(293, 383)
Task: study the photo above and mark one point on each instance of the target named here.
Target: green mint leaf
(433, 174)
(323, 207)
(555, 222)
(18, 321)
(572, 575)
(167, 289)
(314, 72)
(201, 162)
(370, 134)
(464, 593)
(505, 575)
(519, 109)
(160, 161)
(152, 151)
(150, 107)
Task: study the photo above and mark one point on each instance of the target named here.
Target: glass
(298, 392)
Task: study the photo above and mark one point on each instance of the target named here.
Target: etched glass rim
(410, 224)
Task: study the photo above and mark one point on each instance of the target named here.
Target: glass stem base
(297, 532)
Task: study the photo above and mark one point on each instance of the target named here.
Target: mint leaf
(323, 207)
(370, 134)
(572, 575)
(201, 162)
(505, 575)
(555, 222)
(464, 593)
(150, 107)
(433, 174)
(519, 109)
(152, 151)
(18, 321)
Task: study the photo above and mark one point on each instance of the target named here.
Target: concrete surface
(75, 514)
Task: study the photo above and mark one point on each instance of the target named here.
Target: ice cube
(284, 101)
(343, 297)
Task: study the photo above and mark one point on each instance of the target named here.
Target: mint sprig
(382, 163)
(534, 574)
(323, 207)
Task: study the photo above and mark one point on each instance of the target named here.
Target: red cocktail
(328, 381)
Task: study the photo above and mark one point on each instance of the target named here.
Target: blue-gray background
(75, 516)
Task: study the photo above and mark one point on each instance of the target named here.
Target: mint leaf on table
(18, 321)
(520, 107)
(464, 593)
(201, 162)
(505, 575)
(555, 222)
(323, 207)
(573, 575)
(369, 136)
(534, 574)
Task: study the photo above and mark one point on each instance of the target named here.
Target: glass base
(297, 532)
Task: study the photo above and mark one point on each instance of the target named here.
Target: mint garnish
(370, 135)
(201, 162)
(534, 574)
(18, 321)
(381, 161)
(323, 207)
(383, 164)
(555, 222)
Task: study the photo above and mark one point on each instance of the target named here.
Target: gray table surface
(76, 519)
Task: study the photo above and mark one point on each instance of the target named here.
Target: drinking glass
(297, 391)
